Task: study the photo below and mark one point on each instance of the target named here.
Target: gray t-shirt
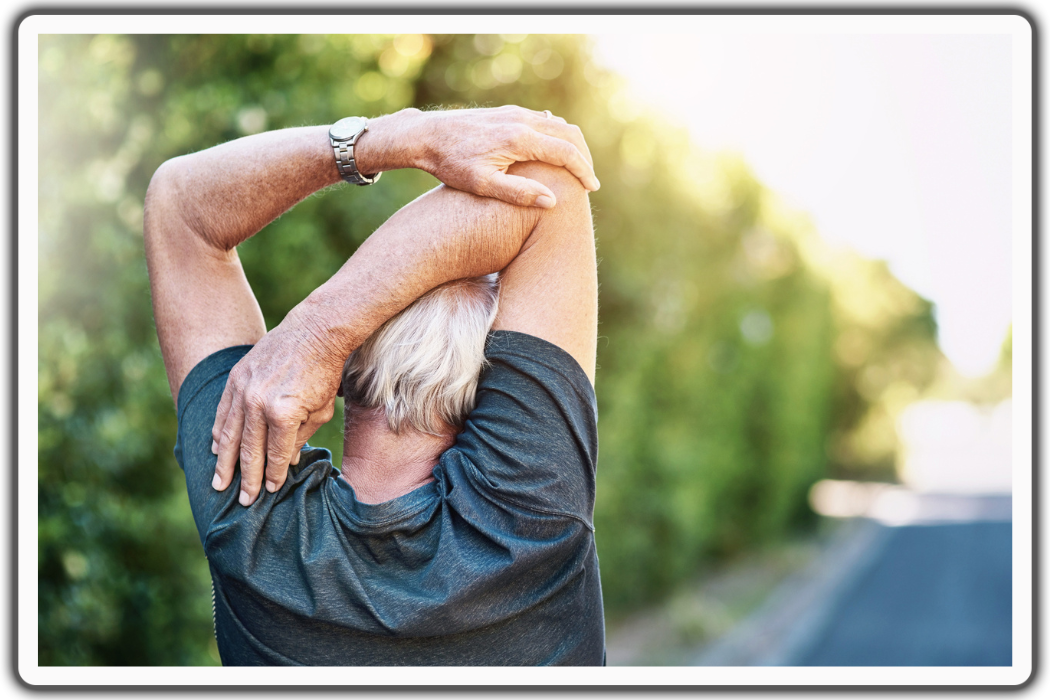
(493, 563)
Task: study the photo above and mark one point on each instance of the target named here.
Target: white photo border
(1016, 26)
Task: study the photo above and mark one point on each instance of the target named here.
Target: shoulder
(532, 439)
(512, 353)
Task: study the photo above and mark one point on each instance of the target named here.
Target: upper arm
(202, 302)
(550, 289)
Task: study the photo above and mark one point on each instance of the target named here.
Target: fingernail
(270, 486)
(245, 498)
(216, 483)
(597, 185)
(297, 456)
(214, 447)
(544, 202)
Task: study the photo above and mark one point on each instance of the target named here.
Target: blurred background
(804, 358)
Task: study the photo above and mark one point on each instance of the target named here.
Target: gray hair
(422, 366)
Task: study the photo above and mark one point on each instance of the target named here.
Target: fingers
(310, 426)
(553, 125)
(265, 444)
(228, 447)
(222, 413)
(557, 151)
(264, 437)
(559, 128)
(521, 191)
(280, 447)
(253, 455)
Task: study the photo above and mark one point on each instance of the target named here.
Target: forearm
(443, 235)
(287, 383)
(199, 207)
(228, 193)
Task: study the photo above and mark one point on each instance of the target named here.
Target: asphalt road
(936, 595)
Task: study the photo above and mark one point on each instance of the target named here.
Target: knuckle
(509, 194)
(254, 401)
(279, 414)
(249, 458)
(481, 186)
(556, 154)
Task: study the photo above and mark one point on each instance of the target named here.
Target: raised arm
(200, 207)
(290, 378)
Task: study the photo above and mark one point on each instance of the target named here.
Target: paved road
(939, 595)
(925, 581)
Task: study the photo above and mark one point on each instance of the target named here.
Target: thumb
(521, 191)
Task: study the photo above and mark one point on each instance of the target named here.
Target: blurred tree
(736, 354)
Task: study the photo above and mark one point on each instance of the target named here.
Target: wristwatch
(343, 135)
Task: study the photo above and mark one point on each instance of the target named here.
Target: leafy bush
(737, 365)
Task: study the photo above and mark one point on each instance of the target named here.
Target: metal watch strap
(344, 160)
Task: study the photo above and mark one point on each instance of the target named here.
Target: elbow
(162, 197)
(164, 185)
(565, 186)
(169, 208)
(572, 212)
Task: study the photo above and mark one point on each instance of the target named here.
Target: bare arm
(290, 378)
(200, 207)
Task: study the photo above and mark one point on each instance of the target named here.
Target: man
(488, 559)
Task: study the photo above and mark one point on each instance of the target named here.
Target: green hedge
(723, 392)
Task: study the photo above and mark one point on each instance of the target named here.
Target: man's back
(493, 563)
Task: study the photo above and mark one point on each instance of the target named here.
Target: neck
(381, 464)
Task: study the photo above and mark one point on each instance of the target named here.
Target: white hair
(422, 365)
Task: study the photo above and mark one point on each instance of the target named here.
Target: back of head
(422, 366)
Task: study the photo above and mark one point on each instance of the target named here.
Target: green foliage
(731, 364)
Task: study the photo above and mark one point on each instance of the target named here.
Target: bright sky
(897, 145)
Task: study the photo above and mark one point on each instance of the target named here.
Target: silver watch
(343, 135)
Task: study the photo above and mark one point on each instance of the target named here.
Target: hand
(471, 150)
(276, 398)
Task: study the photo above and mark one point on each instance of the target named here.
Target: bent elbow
(162, 196)
(563, 183)
(573, 209)
(170, 207)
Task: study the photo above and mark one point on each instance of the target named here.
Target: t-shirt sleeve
(532, 439)
(198, 400)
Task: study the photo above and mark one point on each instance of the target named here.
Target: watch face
(344, 129)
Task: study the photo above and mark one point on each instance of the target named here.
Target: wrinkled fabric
(492, 563)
